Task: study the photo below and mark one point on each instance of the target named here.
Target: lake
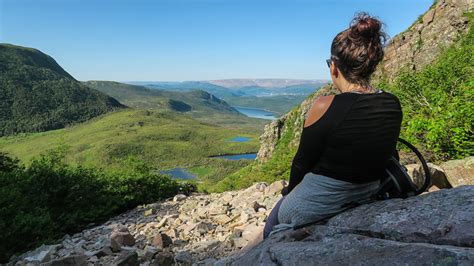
(246, 156)
(180, 173)
(239, 139)
(256, 112)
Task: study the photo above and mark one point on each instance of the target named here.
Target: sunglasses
(329, 61)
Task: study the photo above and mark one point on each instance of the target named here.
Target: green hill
(161, 139)
(36, 94)
(199, 104)
(142, 97)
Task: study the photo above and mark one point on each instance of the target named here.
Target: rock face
(423, 41)
(434, 228)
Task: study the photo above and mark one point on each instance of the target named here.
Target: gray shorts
(317, 197)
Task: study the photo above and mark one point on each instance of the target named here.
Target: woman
(346, 138)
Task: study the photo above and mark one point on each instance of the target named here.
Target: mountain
(36, 94)
(200, 105)
(218, 91)
(265, 83)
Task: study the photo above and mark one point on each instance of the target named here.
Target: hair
(358, 49)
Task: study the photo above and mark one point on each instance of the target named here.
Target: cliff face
(423, 41)
(413, 49)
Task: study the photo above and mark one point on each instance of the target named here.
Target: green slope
(36, 94)
(162, 139)
(199, 104)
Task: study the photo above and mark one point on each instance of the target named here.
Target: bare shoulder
(317, 110)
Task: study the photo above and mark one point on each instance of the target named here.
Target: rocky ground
(201, 229)
(185, 230)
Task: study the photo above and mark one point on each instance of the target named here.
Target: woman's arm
(311, 143)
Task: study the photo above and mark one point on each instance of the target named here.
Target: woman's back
(361, 133)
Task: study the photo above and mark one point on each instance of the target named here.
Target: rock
(162, 222)
(184, 258)
(250, 231)
(226, 197)
(438, 177)
(459, 172)
(127, 259)
(162, 241)
(149, 212)
(41, 254)
(256, 206)
(69, 260)
(275, 187)
(163, 258)
(429, 17)
(239, 242)
(433, 228)
(205, 245)
(179, 197)
(120, 238)
(222, 219)
(202, 228)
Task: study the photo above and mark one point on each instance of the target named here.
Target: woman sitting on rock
(347, 138)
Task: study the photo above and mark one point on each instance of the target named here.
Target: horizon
(192, 40)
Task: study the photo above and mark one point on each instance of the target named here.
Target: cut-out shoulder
(317, 110)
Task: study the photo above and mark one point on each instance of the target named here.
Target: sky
(177, 40)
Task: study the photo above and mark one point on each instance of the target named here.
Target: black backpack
(398, 184)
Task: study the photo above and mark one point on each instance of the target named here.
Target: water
(256, 112)
(240, 139)
(246, 156)
(180, 173)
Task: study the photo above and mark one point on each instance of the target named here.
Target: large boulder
(459, 172)
(434, 228)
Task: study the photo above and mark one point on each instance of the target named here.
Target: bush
(44, 201)
(438, 102)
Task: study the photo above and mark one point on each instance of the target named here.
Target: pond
(179, 173)
(245, 156)
(256, 112)
(239, 139)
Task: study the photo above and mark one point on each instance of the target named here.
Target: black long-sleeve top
(352, 141)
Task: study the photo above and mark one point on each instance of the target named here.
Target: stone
(120, 238)
(275, 187)
(127, 259)
(204, 245)
(239, 242)
(256, 206)
(149, 212)
(184, 258)
(226, 197)
(162, 241)
(459, 172)
(179, 197)
(164, 258)
(222, 219)
(41, 254)
(429, 17)
(69, 260)
(250, 231)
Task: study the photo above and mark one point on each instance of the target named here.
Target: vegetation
(36, 94)
(198, 104)
(438, 101)
(47, 199)
(161, 139)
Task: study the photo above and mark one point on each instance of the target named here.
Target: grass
(162, 139)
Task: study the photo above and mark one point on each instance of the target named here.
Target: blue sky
(175, 40)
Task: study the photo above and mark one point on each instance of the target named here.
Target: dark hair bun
(365, 26)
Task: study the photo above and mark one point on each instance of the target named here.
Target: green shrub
(44, 201)
(438, 102)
